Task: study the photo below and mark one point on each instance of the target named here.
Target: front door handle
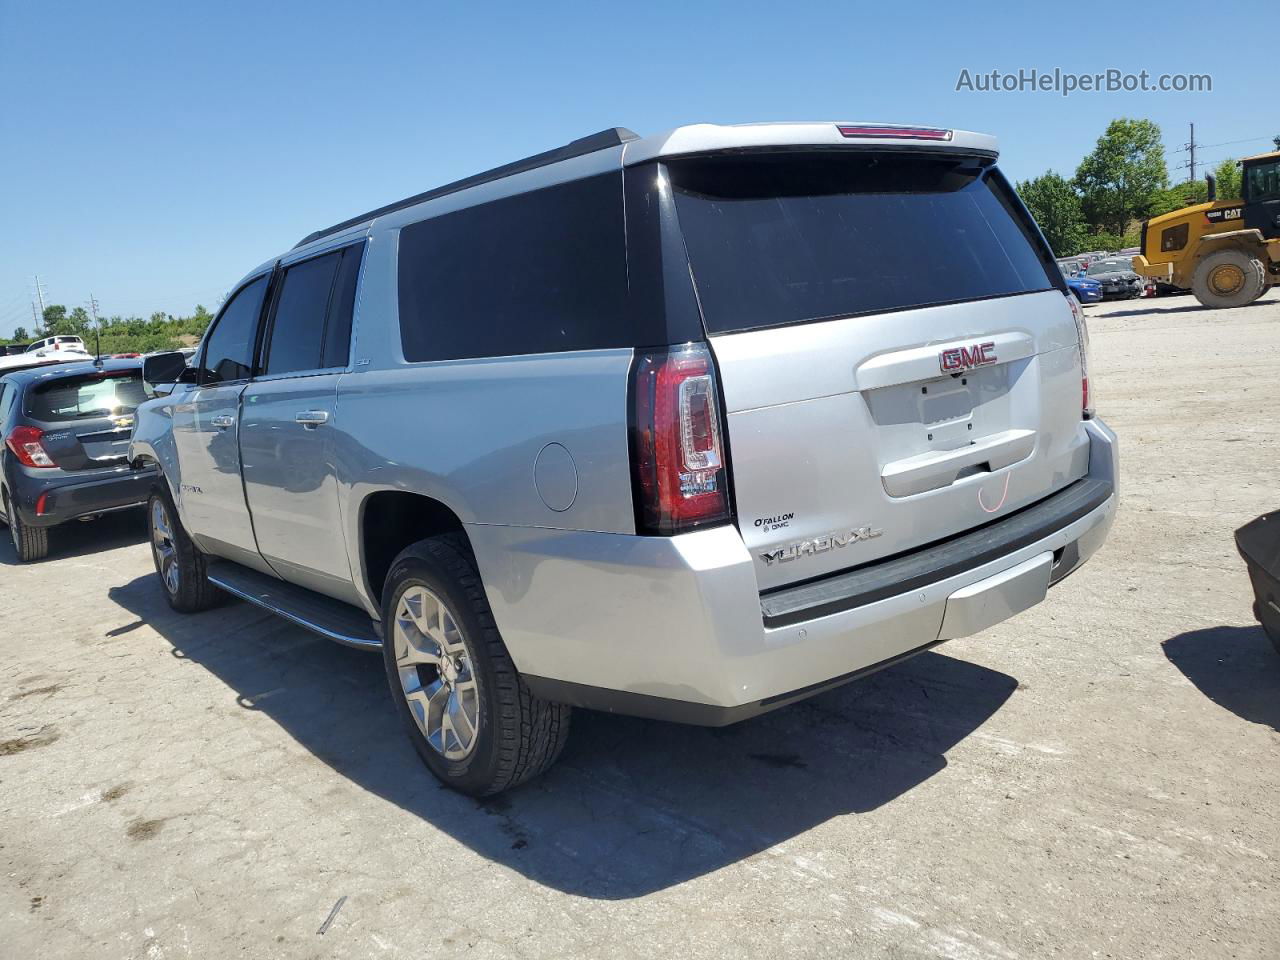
(222, 421)
(312, 418)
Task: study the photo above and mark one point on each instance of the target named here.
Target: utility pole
(40, 297)
(93, 309)
(1192, 147)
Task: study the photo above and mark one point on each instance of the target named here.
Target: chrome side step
(330, 618)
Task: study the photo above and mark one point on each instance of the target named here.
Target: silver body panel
(826, 424)
(679, 618)
(845, 424)
(290, 481)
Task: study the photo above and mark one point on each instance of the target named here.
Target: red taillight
(1082, 338)
(26, 446)
(893, 132)
(42, 504)
(677, 448)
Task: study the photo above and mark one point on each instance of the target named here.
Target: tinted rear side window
(85, 397)
(337, 332)
(538, 272)
(782, 239)
(297, 330)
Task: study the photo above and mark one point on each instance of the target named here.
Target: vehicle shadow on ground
(1191, 307)
(1235, 667)
(76, 539)
(633, 806)
(1148, 311)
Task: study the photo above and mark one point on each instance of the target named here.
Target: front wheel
(459, 696)
(182, 568)
(1229, 278)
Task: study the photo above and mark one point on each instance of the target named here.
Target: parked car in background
(486, 431)
(61, 343)
(1086, 290)
(1117, 278)
(66, 430)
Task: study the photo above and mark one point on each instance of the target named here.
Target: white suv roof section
(708, 137)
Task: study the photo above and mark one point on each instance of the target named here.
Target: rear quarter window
(85, 397)
(538, 272)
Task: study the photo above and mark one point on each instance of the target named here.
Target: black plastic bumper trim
(947, 558)
(687, 711)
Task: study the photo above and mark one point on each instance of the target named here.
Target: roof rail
(614, 136)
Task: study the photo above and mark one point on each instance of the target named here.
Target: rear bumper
(675, 628)
(70, 496)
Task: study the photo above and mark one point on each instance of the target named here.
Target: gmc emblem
(957, 359)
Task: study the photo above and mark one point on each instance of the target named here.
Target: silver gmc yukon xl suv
(688, 426)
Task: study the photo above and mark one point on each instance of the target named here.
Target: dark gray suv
(66, 434)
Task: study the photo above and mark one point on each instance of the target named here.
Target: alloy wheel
(163, 548)
(436, 675)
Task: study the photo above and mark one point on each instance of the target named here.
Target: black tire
(518, 735)
(190, 591)
(1229, 278)
(30, 543)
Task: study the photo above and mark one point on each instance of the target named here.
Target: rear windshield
(783, 239)
(84, 397)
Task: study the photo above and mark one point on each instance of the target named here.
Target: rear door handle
(312, 418)
(222, 421)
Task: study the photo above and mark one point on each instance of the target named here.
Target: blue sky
(152, 153)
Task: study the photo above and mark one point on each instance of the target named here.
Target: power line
(1224, 143)
(1200, 160)
(1192, 147)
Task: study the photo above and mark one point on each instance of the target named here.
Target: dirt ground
(1098, 777)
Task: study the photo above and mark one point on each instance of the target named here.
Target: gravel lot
(1096, 778)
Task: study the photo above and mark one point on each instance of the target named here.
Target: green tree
(54, 315)
(1056, 208)
(79, 321)
(1112, 241)
(1178, 196)
(19, 334)
(1121, 178)
(1227, 173)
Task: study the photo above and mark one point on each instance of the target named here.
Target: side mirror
(164, 368)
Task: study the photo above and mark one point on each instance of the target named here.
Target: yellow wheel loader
(1226, 251)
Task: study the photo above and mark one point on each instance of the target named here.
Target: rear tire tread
(31, 543)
